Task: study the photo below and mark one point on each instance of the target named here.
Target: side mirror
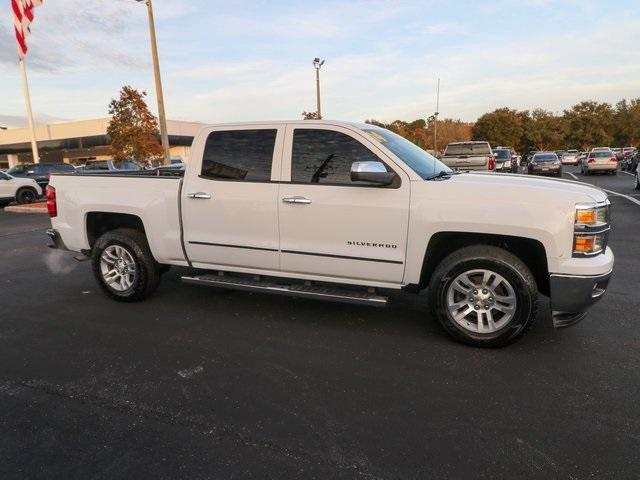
(373, 172)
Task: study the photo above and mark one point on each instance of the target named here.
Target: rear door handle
(300, 200)
(199, 195)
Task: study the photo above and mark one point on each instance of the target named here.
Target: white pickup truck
(344, 211)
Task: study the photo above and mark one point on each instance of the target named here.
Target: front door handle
(300, 200)
(199, 195)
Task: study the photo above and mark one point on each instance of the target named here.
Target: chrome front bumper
(572, 295)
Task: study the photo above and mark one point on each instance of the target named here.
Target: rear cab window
(239, 155)
(471, 149)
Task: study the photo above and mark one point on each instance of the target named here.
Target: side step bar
(306, 290)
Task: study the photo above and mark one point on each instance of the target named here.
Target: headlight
(592, 215)
(591, 244)
(591, 229)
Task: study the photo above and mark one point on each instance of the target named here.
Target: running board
(304, 290)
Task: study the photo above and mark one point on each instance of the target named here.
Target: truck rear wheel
(124, 266)
(483, 296)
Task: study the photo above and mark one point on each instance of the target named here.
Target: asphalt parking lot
(205, 383)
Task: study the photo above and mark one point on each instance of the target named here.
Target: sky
(224, 61)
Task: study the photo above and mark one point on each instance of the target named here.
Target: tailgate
(466, 161)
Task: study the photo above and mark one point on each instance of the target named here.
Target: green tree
(500, 127)
(310, 115)
(626, 123)
(543, 131)
(589, 124)
(133, 131)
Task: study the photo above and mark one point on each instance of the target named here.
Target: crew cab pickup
(344, 211)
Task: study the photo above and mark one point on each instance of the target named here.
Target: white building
(78, 141)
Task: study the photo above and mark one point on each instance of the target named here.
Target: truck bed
(152, 197)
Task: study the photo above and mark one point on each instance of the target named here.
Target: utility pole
(317, 63)
(435, 120)
(162, 119)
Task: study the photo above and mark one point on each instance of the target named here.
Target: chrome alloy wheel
(481, 301)
(118, 268)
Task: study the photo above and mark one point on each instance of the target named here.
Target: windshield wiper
(442, 174)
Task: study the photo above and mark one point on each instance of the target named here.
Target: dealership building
(78, 141)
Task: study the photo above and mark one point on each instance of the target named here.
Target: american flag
(22, 18)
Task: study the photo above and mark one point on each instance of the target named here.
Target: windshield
(421, 162)
(502, 154)
(468, 149)
(126, 165)
(600, 154)
(18, 169)
(545, 157)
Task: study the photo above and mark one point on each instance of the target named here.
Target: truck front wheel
(124, 266)
(483, 296)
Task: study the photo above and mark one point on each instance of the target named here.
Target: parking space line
(572, 175)
(631, 199)
(627, 173)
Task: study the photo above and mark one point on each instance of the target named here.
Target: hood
(528, 187)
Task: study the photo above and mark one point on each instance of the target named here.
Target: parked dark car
(40, 172)
(545, 163)
(504, 159)
(528, 157)
(630, 163)
(627, 161)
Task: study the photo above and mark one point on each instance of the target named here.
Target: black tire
(501, 262)
(26, 195)
(637, 187)
(147, 275)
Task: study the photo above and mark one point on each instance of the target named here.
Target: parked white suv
(344, 211)
(21, 190)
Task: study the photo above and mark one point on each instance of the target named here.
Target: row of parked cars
(25, 183)
(479, 155)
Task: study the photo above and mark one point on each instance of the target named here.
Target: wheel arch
(98, 223)
(532, 252)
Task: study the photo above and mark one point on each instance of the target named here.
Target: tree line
(585, 125)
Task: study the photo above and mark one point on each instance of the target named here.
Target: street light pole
(317, 63)
(162, 119)
(435, 120)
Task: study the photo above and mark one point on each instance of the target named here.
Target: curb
(20, 209)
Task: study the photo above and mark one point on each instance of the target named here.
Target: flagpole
(27, 101)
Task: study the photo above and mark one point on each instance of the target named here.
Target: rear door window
(243, 155)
